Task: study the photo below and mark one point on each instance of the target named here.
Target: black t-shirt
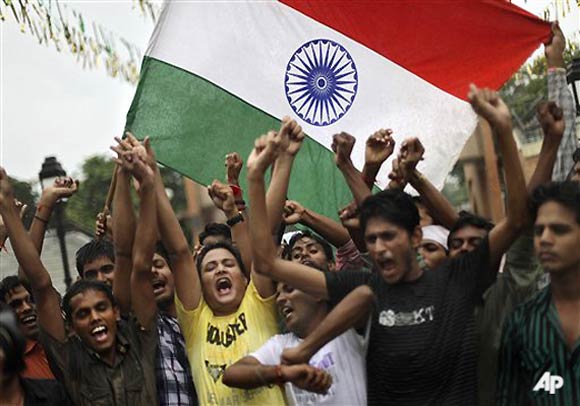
(422, 344)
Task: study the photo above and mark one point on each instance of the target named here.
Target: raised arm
(187, 284)
(342, 145)
(61, 188)
(352, 311)
(222, 196)
(559, 92)
(379, 148)
(551, 120)
(442, 211)
(124, 222)
(307, 279)
(46, 297)
(291, 137)
(329, 229)
(249, 373)
(491, 107)
(141, 288)
(240, 237)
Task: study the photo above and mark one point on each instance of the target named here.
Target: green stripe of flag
(193, 124)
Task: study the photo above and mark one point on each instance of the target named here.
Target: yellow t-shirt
(215, 342)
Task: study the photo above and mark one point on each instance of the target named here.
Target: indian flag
(217, 74)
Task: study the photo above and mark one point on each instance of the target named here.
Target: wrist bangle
(41, 219)
(238, 218)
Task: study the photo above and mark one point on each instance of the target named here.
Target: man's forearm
(355, 182)
(437, 204)
(329, 229)
(263, 249)
(350, 312)
(369, 174)
(250, 376)
(124, 223)
(517, 207)
(171, 234)
(24, 249)
(546, 160)
(278, 190)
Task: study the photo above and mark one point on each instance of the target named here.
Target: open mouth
(28, 320)
(100, 333)
(287, 311)
(386, 265)
(223, 286)
(158, 286)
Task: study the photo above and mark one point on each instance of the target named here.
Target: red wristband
(237, 191)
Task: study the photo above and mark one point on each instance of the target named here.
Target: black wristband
(238, 218)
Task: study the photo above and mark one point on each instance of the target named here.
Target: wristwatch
(238, 218)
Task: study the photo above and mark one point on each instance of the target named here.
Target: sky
(49, 105)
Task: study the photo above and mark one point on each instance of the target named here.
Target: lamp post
(52, 169)
(573, 79)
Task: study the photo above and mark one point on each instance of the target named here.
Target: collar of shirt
(31, 345)
(121, 343)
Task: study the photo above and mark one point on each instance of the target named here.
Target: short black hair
(9, 283)
(82, 286)
(220, 244)
(392, 205)
(565, 193)
(468, 219)
(12, 342)
(309, 234)
(161, 250)
(92, 250)
(215, 229)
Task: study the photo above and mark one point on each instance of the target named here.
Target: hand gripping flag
(218, 74)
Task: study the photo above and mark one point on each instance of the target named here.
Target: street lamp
(573, 78)
(52, 169)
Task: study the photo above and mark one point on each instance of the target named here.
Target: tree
(529, 85)
(95, 179)
(25, 192)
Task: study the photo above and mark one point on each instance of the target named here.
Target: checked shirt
(174, 380)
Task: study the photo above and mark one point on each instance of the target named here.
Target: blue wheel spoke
(302, 89)
(345, 82)
(337, 77)
(309, 67)
(298, 76)
(342, 89)
(300, 69)
(313, 64)
(333, 67)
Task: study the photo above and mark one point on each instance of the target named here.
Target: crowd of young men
(404, 302)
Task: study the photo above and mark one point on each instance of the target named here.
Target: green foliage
(528, 85)
(90, 199)
(95, 179)
(25, 192)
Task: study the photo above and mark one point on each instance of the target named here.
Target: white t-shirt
(343, 358)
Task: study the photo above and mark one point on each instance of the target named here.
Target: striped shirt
(559, 92)
(533, 343)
